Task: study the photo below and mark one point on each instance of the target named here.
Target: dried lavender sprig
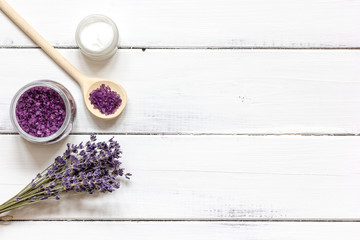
(92, 167)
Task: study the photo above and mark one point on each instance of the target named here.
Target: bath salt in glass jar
(43, 111)
(97, 37)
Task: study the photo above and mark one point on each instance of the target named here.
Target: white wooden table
(243, 119)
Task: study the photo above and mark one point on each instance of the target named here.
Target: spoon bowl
(92, 84)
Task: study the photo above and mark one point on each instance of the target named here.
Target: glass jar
(97, 37)
(58, 90)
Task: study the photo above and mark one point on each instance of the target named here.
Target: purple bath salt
(40, 111)
(105, 100)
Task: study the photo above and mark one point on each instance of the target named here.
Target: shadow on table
(105, 125)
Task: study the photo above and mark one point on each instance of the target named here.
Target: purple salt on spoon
(87, 84)
(106, 100)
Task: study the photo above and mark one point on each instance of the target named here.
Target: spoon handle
(40, 41)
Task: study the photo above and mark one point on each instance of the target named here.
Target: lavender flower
(93, 166)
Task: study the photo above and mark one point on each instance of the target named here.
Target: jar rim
(41, 83)
(107, 52)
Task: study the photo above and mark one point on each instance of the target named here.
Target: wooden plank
(200, 23)
(202, 91)
(204, 177)
(183, 230)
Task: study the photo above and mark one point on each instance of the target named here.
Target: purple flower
(74, 159)
(59, 160)
(95, 168)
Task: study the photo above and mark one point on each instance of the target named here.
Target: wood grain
(204, 177)
(183, 230)
(199, 23)
(207, 91)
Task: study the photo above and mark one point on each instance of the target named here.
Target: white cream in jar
(97, 37)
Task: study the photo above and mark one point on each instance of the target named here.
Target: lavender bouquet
(92, 167)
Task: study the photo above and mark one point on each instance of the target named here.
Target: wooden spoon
(87, 84)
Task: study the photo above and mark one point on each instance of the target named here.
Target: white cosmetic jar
(97, 37)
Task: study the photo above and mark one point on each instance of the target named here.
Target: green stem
(29, 186)
(17, 206)
(22, 192)
(24, 198)
(6, 218)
